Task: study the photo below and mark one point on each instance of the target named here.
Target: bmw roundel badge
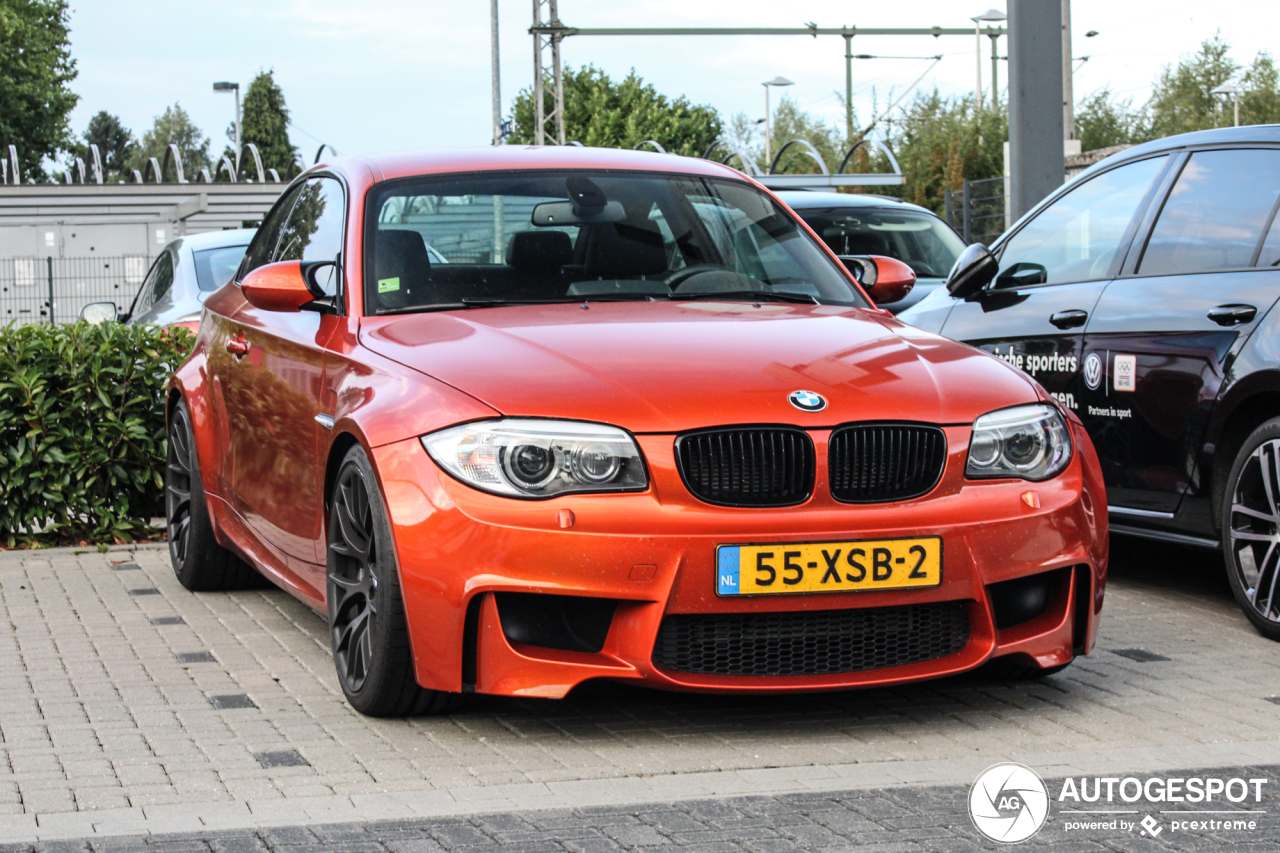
(807, 401)
(1092, 371)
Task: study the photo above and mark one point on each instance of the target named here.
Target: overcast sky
(379, 75)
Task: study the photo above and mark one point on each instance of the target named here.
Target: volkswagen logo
(807, 401)
(1092, 371)
(1008, 803)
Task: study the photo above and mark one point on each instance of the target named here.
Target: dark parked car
(879, 225)
(1141, 295)
(184, 273)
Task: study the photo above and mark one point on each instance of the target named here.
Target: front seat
(621, 251)
(540, 256)
(402, 269)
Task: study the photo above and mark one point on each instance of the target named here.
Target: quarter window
(1215, 214)
(1076, 238)
(264, 242)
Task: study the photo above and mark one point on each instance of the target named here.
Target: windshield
(215, 267)
(923, 242)
(544, 236)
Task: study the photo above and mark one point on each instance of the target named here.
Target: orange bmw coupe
(517, 418)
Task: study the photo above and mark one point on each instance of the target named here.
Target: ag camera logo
(1008, 803)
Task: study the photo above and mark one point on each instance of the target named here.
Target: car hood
(673, 366)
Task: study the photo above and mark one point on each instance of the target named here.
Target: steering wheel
(679, 277)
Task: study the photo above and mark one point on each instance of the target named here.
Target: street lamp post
(989, 16)
(1234, 92)
(233, 87)
(768, 133)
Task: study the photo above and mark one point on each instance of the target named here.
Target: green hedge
(82, 431)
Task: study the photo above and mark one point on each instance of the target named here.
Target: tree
(172, 126)
(265, 122)
(35, 68)
(1183, 99)
(115, 145)
(940, 142)
(788, 122)
(600, 112)
(1103, 120)
(1260, 96)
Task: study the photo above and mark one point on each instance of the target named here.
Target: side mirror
(972, 271)
(1022, 275)
(100, 312)
(282, 286)
(886, 280)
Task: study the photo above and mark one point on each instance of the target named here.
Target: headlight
(528, 458)
(1028, 442)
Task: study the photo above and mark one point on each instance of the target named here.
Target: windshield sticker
(385, 285)
(1126, 372)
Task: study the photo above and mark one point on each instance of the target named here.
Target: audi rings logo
(1008, 803)
(1092, 371)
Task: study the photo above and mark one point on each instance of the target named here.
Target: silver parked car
(864, 224)
(184, 273)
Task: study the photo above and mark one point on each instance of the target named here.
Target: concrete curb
(630, 790)
(71, 551)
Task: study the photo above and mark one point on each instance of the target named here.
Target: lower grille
(872, 463)
(810, 643)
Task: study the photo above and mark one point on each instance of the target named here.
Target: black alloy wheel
(367, 625)
(1251, 528)
(201, 564)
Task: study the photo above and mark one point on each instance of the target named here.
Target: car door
(1162, 336)
(274, 387)
(1052, 272)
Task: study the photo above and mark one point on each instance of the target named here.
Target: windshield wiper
(749, 296)
(485, 301)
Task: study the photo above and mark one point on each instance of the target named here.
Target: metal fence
(978, 210)
(53, 290)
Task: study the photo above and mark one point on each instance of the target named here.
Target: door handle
(1232, 315)
(1069, 319)
(237, 346)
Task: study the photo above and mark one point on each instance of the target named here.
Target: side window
(164, 277)
(1270, 254)
(264, 242)
(157, 282)
(1076, 238)
(313, 231)
(1215, 214)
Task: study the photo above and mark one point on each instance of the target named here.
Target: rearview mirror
(100, 312)
(886, 280)
(972, 271)
(283, 286)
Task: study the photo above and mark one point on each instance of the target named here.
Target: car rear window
(549, 236)
(923, 242)
(1215, 214)
(215, 267)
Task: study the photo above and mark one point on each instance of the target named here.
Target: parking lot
(133, 707)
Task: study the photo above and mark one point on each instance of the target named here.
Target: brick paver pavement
(131, 705)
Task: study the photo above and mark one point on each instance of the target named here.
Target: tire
(1251, 528)
(201, 564)
(367, 626)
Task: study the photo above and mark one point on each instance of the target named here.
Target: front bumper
(654, 553)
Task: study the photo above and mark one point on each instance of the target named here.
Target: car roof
(219, 239)
(1255, 133)
(500, 157)
(803, 199)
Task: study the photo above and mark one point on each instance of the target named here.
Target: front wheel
(1251, 528)
(367, 626)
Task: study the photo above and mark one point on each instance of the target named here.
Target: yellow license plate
(857, 566)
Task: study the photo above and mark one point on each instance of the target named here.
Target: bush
(82, 430)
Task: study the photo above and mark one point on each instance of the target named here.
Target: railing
(49, 290)
(978, 210)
